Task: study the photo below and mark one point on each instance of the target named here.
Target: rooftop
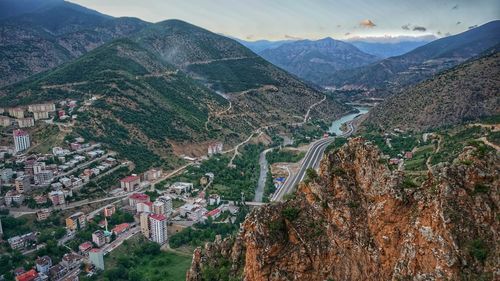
(158, 217)
(139, 196)
(129, 179)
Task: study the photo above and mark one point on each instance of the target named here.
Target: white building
(158, 228)
(21, 140)
(167, 201)
(181, 187)
(159, 208)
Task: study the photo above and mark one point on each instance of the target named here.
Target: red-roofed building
(137, 198)
(119, 229)
(130, 183)
(85, 247)
(215, 213)
(409, 155)
(144, 207)
(158, 226)
(27, 276)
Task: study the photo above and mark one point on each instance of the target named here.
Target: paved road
(259, 192)
(311, 160)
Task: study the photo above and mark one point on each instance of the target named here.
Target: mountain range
(166, 89)
(39, 35)
(315, 61)
(396, 72)
(466, 92)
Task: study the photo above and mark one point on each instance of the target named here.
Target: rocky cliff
(357, 221)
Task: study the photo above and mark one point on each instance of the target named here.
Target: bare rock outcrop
(356, 221)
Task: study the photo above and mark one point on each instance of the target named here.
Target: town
(91, 191)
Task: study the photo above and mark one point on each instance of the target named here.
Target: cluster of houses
(31, 174)
(68, 269)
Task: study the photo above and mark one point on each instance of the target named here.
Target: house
(30, 275)
(43, 264)
(408, 155)
(215, 213)
(85, 247)
(394, 161)
(42, 214)
(130, 183)
(121, 228)
(16, 112)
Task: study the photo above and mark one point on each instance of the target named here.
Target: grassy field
(138, 259)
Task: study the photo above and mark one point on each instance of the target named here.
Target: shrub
(478, 250)
(290, 213)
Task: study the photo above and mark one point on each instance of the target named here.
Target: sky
(311, 19)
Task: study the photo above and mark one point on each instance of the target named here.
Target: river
(337, 124)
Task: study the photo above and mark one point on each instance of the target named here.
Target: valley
(214, 145)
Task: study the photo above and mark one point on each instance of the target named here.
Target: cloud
(339, 25)
(459, 22)
(419, 28)
(473, 26)
(292, 37)
(367, 23)
(455, 7)
(406, 26)
(393, 39)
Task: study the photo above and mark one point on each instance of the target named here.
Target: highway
(311, 160)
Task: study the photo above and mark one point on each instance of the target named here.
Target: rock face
(356, 221)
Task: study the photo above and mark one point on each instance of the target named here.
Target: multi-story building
(121, 228)
(152, 174)
(99, 238)
(5, 121)
(25, 122)
(135, 198)
(39, 115)
(130, 183)
(22, 241)
(12, 196)
(48, 107)
(42, 214)
(57, 197)
(22, 184)
(44, 177)
(16, 112)
(159, 208)
(7, 174)
(158, 228)
(109, 210)
(144, 221)
(21, 140)
(96, 257)
(144, 207)
(57, 272)
(40, 199)
(72, 260)
(76, 221)
(43, 264)
(167, 200)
